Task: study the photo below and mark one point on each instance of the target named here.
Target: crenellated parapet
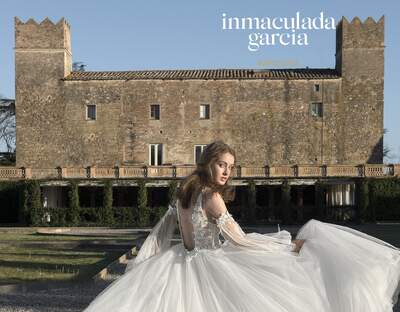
(358, 34)
(43, 35)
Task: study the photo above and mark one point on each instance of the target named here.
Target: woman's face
(222, 168)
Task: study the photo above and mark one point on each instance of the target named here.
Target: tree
(386, 148)
(73, 216)
(78, 66)
(33, 208)
(172, 188)
(143, 210)
(107, 213)
(7, 124)
(362, 200)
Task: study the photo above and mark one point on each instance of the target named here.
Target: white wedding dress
(337, 270)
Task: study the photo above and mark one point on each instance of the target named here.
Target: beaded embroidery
(205, 234)
(225, 217)
(190, 254)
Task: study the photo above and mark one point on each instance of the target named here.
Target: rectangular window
(91, 112)
(156, 154)
(198, 149)
(316, 87)
(316, 110)
(155, 111)
(204, 111)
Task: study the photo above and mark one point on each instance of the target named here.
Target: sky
(180, 34)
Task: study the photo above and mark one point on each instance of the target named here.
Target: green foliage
(172, 188)
(90, 216)
(320, 205)
(33, 203)
(362, 200)
(106, 212)
(159, 212)
(58, 216)
(124, 216)
(73, 213)
(143, 211)
(384, 199)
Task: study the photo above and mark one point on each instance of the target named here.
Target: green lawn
(27, 256)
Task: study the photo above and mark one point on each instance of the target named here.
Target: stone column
(285, 203)
(300, 203)
(271, 203)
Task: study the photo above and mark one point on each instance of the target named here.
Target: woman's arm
(230, 229)
(299, 243)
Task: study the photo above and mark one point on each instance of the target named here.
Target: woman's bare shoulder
(213, 203)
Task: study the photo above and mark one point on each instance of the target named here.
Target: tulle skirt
(337, 270)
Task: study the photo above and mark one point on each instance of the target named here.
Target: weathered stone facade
(264, 114)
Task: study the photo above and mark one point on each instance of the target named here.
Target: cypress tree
(362, 200)
(143, 210)
(35, 203)
(172, 188)
(107, 213)
(73, 216)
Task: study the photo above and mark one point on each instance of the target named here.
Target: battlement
(43, 35)
(359, 34)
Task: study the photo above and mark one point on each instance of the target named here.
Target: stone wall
(267, 121)
(360, 52)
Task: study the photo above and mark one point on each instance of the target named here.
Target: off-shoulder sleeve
(232, 232)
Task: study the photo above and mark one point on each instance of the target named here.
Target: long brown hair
(201, 177)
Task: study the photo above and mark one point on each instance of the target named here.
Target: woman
(328, 268)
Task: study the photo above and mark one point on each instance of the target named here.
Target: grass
(27, 256)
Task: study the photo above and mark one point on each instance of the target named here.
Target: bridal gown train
(337, 270)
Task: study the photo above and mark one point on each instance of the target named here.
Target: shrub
(362, 200)
(173, 187)
(90, 215)
(143, 211)
(58, 216)
(384, 199)
(73, 216)
(124, 216)
(159, 212)
(33, 208)
(320, 204)
(106, 212)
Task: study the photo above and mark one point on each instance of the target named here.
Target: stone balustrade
(180, 171)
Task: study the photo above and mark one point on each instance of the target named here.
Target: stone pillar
(271, 203)
(319, 208)
(243, 203)
(251, 202)
(300, 203)
(285, 203)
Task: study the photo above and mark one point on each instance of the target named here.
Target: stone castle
(271, 117)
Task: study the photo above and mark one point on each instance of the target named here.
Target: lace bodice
(203, 235)
(206, 233)
(198, 233)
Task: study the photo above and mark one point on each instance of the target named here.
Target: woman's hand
(299, 243)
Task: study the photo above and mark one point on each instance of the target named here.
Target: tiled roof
(219, 74)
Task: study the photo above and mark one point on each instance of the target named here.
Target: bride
(328, 268)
